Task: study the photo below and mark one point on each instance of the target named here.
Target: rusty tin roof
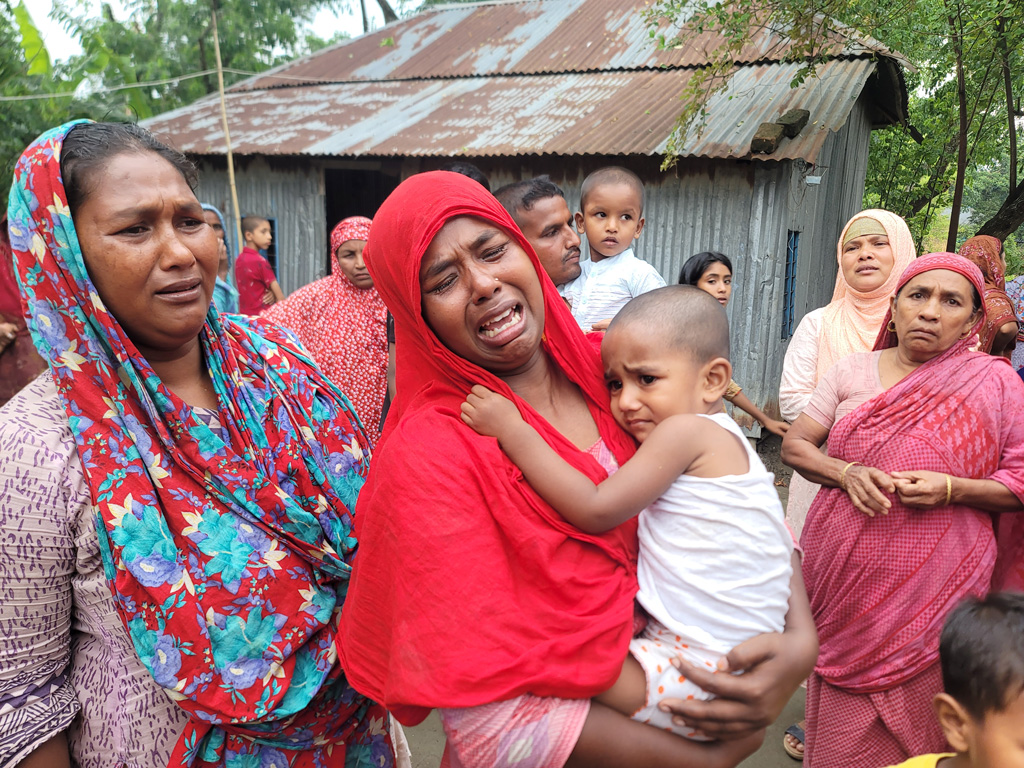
(563, 77)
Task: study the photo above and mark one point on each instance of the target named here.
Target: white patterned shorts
(654, 649)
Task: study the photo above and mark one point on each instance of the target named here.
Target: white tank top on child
(714, 563)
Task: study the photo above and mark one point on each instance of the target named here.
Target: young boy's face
(612, 219)
(648, 380)
(261, 236)
(998, 740)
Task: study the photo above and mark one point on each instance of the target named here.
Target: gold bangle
(842, 475)
(949, 489)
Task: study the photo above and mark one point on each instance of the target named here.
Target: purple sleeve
(37, 560)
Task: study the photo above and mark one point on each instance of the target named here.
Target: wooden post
(227, 140)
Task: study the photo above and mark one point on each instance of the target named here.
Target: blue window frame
(270, 254)
(789, 291)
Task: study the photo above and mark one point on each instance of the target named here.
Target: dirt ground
(768, 448)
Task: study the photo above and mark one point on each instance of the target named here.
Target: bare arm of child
(744, 403)
(669, 451)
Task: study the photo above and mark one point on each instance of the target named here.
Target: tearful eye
(443, 286)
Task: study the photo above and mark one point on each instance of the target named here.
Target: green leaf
(32, 42)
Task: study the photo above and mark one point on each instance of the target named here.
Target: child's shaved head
(612, 174)
(684, 317)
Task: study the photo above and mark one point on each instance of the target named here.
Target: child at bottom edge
(982, 709)
(715, 554)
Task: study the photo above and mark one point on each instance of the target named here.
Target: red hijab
(470, 588)
(344, 328)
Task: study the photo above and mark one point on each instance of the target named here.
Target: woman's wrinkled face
(932, 312)
(482, 297)
(149, 251)
(867, 262)
(350, 260)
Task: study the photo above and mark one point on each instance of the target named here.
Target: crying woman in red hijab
(470, 594)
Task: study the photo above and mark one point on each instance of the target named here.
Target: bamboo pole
(227, 139)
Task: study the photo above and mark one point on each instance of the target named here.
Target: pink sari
(880, 588)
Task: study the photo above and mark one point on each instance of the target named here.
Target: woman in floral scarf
(175, 496)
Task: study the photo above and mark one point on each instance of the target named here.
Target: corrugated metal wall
(291, 192)
(741, 208)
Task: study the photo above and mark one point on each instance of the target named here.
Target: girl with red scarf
(472, 595)
(341, 321)
(902, 528)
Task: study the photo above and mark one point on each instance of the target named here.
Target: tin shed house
(526, 87)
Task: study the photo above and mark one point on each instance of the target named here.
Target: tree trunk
(1008, 218)
(1008, 86)
(961, 160)
(388, 11)
(366, 21)
(204, 65)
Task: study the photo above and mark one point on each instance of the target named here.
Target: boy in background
(612, 217)
(257, 285)
(982, 710)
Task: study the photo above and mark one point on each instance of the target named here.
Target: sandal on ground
(797, 733)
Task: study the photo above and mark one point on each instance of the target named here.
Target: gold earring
(891, 327)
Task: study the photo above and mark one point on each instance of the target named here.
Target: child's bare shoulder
(693, 422)
(714, 450)
(690, 427)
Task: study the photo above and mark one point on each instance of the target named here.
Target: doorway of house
(356, 191)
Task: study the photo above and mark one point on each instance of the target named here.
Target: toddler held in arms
(715, 555)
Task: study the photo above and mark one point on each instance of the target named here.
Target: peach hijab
(852, 319)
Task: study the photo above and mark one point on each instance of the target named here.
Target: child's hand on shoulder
(489, 413)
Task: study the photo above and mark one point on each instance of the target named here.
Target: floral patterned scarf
(227, 550)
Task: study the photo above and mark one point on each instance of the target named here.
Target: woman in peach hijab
(873, 250)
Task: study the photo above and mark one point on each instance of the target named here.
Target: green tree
(170, 42)
(964, 94)
(26, 76)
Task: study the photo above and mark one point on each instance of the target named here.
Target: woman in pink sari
(929, 453)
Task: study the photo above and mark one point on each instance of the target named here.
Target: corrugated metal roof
(602, 113)
(526, 37)
(524, 77)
